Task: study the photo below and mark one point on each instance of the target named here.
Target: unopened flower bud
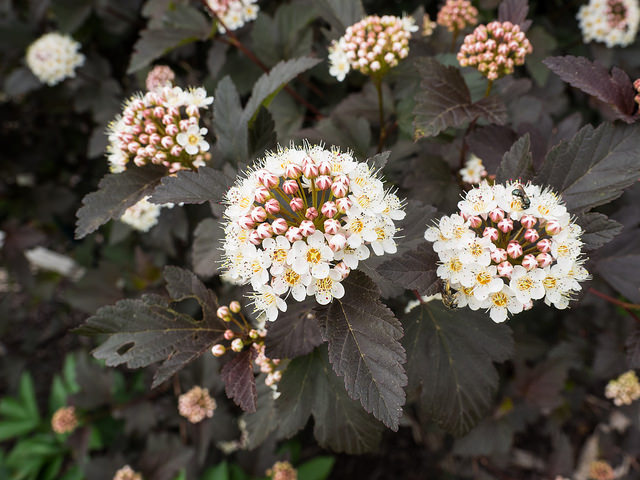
(218, 350)
(237, 345)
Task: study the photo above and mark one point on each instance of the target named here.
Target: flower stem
(377, 81)
(615, 301)
(454, 39)
(488, 90)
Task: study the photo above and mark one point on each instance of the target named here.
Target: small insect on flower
(448, 297)
(522, 196)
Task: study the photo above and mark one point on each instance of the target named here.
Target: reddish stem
(628, 307)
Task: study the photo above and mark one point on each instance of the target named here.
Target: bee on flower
(161, 127)
(300, 220)
(372, 46)
(495, 49)
(54, 57)
(510, 245)
(612, 22)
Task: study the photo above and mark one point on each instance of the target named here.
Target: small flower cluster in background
(160, 127)
(54, 57)
(456, 15)
(196, 404)
(282, 471)
(601, 470)
(159, 77)
(623, 390)
(64, 420)
(612, 22)
(509, 245)
(371, 46)
(301, 220)
(428, 25)
(495, 49)
(247, 336)
(234, 13)
(473, 171)
(127, 473)
(636, 85)
(142, 216)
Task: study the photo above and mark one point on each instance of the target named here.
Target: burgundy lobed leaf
(413, 270)
(295, 332)
(239, 382)
(517, 162)
(205, 184)
(515, 11)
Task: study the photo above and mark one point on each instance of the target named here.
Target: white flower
(477, 251)
(486, 281)
(409, 24)
(384, 242)
(267, 300)
(312, 255)
(289, 280)
(453, 269)
(54, 57)
(192, 140)
(351, 256)
(610, 22)
(473, 171)
(338, 64)
(501, 303)
(326, 289)
(278, 251)
(527, 285)
(198, 98)
(141, 216)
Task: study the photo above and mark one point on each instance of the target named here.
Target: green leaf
(309, 386)
(517, 162)
(207, 239)
(269, 84)
(364, 348)
(594, 167)
(203, 185)
(180, 26)
(16, 428)
(444, 101)
(231, 133)
(450, 361)
(148, 330)
(116, 192)
(219, 472)
(27, 395)
(317, 468)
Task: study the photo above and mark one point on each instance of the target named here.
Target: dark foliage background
(517, 401)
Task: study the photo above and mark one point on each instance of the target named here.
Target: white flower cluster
(372, 46)
(301, 220)
(473, 171)
(54, 57)
(624, 390)
(612, 22)
(142, 216)
(509, 245)
(234, 13)
(160, 127)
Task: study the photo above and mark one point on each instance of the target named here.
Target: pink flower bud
(235, 306)
(552, 227)
(246, 222)
(490, 233)
(475, 221)
(343, 270)
(307, 228)
(329, 209)
(296, 204)
(176, 150)
(496, 215)
(228, 334)
(292, 171)
(272, 206)
(158, 112)
(531, 235)
(173, 111)
(254, 237)
(337, 242)
(133, 147)
(222, 312)
(290, 187)
(218, 350)
(324, 167)
(339, 189)
(261, 194)
(172, 130)
(323, 182)
(183, 124)
(331, 226)
(544, 259)
(154, 139)
(544, 245)
(309, 168)
(150, 128)
(529, 262)
(237, 345)
(258, 214)
(264, 230)
(514, 249)
(343, 204)
(505, 225)
(528, 221)
(311, 213)
(267, 178)
(505, 269)
(279, 226)
(499, 255)
(293, 234)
